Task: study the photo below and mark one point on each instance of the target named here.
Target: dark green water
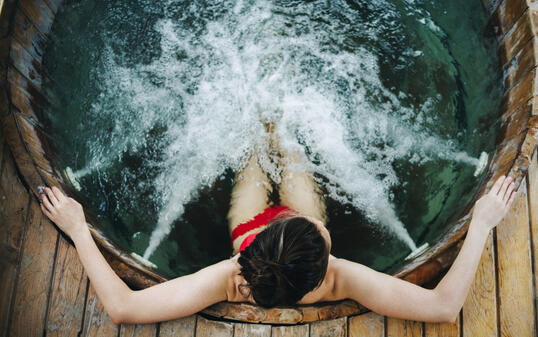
(155, 105)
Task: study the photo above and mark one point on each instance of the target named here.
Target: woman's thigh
(250, 196)
(298, 189)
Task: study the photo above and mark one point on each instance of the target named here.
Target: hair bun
(284, 262)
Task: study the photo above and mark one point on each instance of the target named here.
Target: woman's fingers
(508, 192)
(45, 201)
(504, 186)
(497, 186)
(45, 211)
(58, 194)
(511, 199)
(51, 196)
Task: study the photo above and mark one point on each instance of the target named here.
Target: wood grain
(179, 327)
(6, 18)
(252, 330)
(96, 320)
(403, 328)
(504, 157)
(8, 278)
(25, 63)
(491, 5)
(480, 307)
(33, 284)
(533, 214)
(516, 38)
(520, 65)
(442, 329)
(28, 35)
(138, 330)
(21, 98)
(3, 149)
(39, 13)
(514, 124)
(33, 144)
(14, 202)
(289, 331)
(516, 305)
(519, 94)
(508, 12)
(210, 328)
(25, 163)
(68, 294)
(247, 312)
(367, 325)
(332, 328)
(54, 5)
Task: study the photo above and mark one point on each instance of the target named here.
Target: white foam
(209, 90)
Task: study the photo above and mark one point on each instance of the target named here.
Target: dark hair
(285, 261)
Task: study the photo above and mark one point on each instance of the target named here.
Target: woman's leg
(298, 190)
(250, 196)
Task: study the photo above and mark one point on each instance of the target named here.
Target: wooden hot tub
(24, 28)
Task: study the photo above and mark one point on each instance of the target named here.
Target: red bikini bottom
(262, 219)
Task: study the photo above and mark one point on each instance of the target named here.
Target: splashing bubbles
(219, 77)
(481, 164)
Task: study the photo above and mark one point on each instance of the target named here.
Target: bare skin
(297, 190)
(189, 294)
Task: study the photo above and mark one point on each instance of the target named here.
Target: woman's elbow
(454, 317)
(115, 320)
(118, 309)
(117, 314)
(447, 310)
(448, 315)
(450, 319)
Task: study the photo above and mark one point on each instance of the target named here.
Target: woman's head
(285, 261)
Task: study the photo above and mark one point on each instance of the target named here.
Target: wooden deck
(45, 292)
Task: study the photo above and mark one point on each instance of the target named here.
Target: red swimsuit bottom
(262, 219)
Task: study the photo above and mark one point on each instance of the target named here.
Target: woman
(282, 257)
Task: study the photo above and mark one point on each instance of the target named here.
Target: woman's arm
(176, 298)
(397, 298)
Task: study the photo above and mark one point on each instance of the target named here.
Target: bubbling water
(215, 84)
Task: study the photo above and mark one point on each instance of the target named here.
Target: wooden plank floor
(45, 291)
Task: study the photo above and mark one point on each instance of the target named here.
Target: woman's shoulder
(325, 291)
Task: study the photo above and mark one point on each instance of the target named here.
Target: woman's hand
(65, 212)
(491, 208)
(393, 297)
(176, 298)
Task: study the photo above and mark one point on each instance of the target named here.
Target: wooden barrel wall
(24, 30)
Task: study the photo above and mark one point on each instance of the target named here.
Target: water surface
(156, 104)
